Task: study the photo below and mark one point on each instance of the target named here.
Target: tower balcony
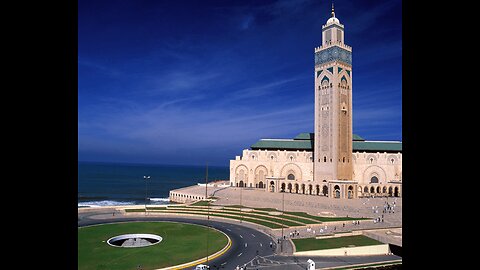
(331, 44)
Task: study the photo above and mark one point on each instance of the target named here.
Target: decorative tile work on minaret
(333, 105)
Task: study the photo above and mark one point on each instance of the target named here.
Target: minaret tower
(333, 111)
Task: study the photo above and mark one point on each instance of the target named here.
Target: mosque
(332, 161)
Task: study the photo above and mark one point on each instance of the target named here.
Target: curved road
(250, 247)
(247, 243)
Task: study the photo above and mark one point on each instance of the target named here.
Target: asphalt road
(250, 248)
(247, 243)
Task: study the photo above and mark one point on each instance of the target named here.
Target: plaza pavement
(388, 231)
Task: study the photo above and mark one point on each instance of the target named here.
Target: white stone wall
(385, 166)
(258, 165)
(273, 164)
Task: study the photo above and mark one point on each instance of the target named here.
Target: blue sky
(190, 82)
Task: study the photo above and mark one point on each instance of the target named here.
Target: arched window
(392, 160)
(343, 159)
(271, 157)
(291, 177)
(261, 176)
(272, 186)
(324, 159)
(325, 190)
(336, 191)
(365, 190)
(371, 160)
(373, 180)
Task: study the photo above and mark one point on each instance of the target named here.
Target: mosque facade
(332, 161)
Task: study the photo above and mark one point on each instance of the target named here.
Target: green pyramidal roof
(305, 141)
(355, 137)
(279, 144)
(304, 136)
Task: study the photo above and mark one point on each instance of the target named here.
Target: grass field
(329, 243)
(256, 215)
(181, 243)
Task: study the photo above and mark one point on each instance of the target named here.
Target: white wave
(160, 199)
(103, 203)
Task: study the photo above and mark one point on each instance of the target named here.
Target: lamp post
(283, 213)
(146, 177)
(208, 208)
(241, 213)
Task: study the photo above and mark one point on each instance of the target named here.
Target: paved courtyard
(386, 227)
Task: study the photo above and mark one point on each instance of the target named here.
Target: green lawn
(181, 243)
(378, 266)
(236, 215)
(329, 243)
(289, 219)
(201, 203)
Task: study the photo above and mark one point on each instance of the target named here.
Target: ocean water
(103, 184)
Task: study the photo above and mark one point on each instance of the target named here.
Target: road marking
(240, 254)
(261, 245)
(241, 236)
(253, 235)
(223, 263)
(229, 230)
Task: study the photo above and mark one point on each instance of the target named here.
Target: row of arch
(389, 191)
(322, 190)
(184, 197)
(290, 170)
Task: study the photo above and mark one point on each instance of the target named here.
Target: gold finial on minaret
(333, 11)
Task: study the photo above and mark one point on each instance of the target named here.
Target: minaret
(333, 105)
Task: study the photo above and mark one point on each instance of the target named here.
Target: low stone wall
(347, 251)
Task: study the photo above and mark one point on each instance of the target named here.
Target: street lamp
(283, 213)
(146, 177)
(241, 213)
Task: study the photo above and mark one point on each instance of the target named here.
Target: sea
(109, 184)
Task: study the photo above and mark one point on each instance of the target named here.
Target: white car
(202, 267)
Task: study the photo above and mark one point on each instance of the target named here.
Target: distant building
(332, 161)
